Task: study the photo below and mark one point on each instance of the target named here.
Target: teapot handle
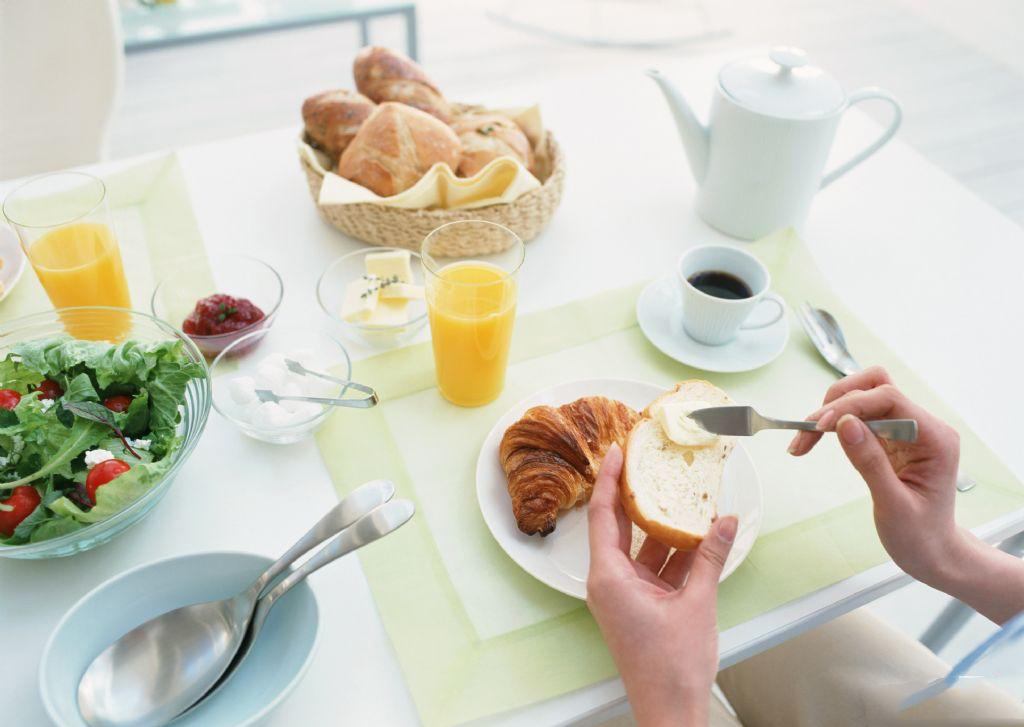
(897, 116)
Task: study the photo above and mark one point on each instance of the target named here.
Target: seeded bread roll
(486, 137)
(669, 490)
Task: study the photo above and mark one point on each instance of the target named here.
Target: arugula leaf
(80, 388)
(135, 420)
(82, 435)
(8, 418)
(100, 414)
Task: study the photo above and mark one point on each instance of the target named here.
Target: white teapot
(760, 159)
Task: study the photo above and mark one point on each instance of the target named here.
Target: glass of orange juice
(471, 306)
(66, 232)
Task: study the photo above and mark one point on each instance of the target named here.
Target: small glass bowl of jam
(217, 299)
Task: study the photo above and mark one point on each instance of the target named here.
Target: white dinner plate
(13, 258)
(659, 311)
(561, 560)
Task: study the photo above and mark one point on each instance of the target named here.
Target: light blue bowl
(277, 662)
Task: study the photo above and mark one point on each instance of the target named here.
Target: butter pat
(675, 421)
(405, 291)
(389, 312)
(393, 264)
(360, 299)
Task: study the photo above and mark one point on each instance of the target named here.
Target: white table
(934, 271)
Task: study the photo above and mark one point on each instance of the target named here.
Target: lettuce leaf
(117, 494)
(82, 436)
(17, 376)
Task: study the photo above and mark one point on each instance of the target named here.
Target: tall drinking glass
(67, 234)
(471, 305)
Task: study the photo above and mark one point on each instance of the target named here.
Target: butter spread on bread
(670, 490)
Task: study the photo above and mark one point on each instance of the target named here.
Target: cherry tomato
(118, 403)
(9, 398)
(24, 500)
(103, 473)
(49, 389)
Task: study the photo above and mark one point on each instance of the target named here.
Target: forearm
(986, 579)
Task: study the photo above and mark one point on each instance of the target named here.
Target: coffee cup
(722, 287)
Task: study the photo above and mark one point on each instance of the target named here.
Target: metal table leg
(411, 39)
(956, 614)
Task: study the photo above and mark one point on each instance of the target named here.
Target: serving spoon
(161, 668)
(385, 519)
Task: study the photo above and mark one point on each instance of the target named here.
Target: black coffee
(720, 285)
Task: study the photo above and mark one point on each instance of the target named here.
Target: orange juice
(80, 264)
(472, 307)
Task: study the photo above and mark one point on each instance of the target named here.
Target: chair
(61, 73)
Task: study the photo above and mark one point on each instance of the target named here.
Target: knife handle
(898, 430)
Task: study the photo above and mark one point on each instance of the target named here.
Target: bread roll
(669, 490)
(332, 119)
(395, 147)
(486, 137)
(383, 75)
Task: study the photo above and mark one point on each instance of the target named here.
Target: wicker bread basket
(396, 227)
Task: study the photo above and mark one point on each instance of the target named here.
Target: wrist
(985, 578)
(676, 707)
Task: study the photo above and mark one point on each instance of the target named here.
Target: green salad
(86, 428)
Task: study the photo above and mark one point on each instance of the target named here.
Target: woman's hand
(913, 488)
(662, 634)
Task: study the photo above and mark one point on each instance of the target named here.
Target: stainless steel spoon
(159, 669)
(385, 519)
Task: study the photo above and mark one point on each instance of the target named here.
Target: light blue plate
(275, 665)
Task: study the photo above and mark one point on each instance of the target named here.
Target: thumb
(711, 555)
(866, 454)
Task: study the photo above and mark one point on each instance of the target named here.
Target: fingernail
(826, 420)
(793, 444)
(615, 445)
(727, 528)
(850, 430)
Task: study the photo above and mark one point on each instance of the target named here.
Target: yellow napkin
(503, 180)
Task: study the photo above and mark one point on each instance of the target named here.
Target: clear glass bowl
(257, 346)
(195, 411)
(187, 281)
(330, 293)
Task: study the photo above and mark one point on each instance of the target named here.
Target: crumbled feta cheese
(94, 456)
(46, 404)
(139, 443)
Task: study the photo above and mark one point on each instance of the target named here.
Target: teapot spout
(691, 131)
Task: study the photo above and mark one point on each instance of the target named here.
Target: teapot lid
(782, 85)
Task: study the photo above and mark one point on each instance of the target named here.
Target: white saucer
(660, 314)
(561, 560)
(13, 259)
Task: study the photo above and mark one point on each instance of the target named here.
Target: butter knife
(744, 421)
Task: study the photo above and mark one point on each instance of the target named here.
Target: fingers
(652, 554)
(869, 378)
(866, 454)
(674, 572)
(608, 525)
(882, 402)
(706, 563)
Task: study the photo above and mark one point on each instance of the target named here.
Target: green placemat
(155, 226)
(476, 635)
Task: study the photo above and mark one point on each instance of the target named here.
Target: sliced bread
(670, 490)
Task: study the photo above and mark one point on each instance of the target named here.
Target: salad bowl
(98, 323)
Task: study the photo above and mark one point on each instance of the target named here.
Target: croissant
(551, 456)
